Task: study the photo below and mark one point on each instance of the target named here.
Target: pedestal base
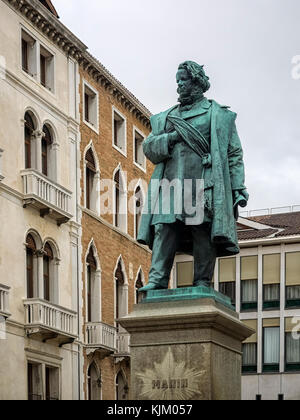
(185, 349)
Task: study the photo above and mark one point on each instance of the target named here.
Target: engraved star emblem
(170, 380)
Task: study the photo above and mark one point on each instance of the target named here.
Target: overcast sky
(247, 47)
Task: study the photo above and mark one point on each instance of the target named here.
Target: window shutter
(272, 322)
(293, 269)
(185, 274)
(227, 270)
(251, 323)
(271, 269)
(249, 268)
(289, 326)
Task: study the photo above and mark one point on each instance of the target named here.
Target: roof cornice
(50, 6)
(102, 76)
(269, 241)
(252, 224)
(50, 26)
(46, 22)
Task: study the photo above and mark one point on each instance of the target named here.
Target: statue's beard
(191, 96)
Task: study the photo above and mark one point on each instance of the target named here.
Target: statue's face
(185, 83)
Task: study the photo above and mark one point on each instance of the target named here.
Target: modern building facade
(263, 282)
(40, 351)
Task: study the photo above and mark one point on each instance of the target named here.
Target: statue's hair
(197, 73)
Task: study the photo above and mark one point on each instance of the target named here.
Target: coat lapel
(202, 108)
(159, 121)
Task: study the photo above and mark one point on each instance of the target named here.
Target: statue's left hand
(241, 198)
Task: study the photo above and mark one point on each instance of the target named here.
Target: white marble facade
(39, 338)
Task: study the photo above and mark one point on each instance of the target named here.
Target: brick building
(113, 127)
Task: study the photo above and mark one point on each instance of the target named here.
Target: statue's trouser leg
(205, 255)
(164, 250)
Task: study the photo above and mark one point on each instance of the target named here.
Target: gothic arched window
(29, 129)
(30, 266)
(47, 141)
(90, 172)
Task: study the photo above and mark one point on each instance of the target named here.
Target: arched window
(138, 285)
(94, 384)
(48, 273)
(117, 198)
(121, 293)
(139, 203)
(47, 141)
(29, 128)
(90, 185)
(120, 216)
(91, 270)
(30, 266)
(121, 387)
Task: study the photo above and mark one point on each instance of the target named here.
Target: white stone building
(263, 282)
(40, 351)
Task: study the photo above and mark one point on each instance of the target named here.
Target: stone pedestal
(185, 345)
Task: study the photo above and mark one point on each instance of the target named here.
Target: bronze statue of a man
(195, 140)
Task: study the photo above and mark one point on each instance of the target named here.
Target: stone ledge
(185, 315)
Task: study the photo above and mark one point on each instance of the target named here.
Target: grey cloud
(247, 47)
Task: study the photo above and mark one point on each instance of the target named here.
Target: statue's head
(192, 81)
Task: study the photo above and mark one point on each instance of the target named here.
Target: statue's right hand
(174, 138)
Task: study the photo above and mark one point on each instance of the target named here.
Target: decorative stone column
(40, 274)
(185, 345)
(54, 162)
(37, 158)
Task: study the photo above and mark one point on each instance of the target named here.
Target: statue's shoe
(150, 287)
(202, 283)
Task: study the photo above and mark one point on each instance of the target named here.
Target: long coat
(225, 176)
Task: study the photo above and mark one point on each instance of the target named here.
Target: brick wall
(110, 242)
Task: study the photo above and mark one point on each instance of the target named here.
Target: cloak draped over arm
(157, 148)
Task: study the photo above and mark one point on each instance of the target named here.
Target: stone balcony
(46, 321)
(100, 337)
(105, 340)
(49, 198)
(123, 345)
(4, 304)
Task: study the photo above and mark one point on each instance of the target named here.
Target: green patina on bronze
(196, 139)
(187, 293)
